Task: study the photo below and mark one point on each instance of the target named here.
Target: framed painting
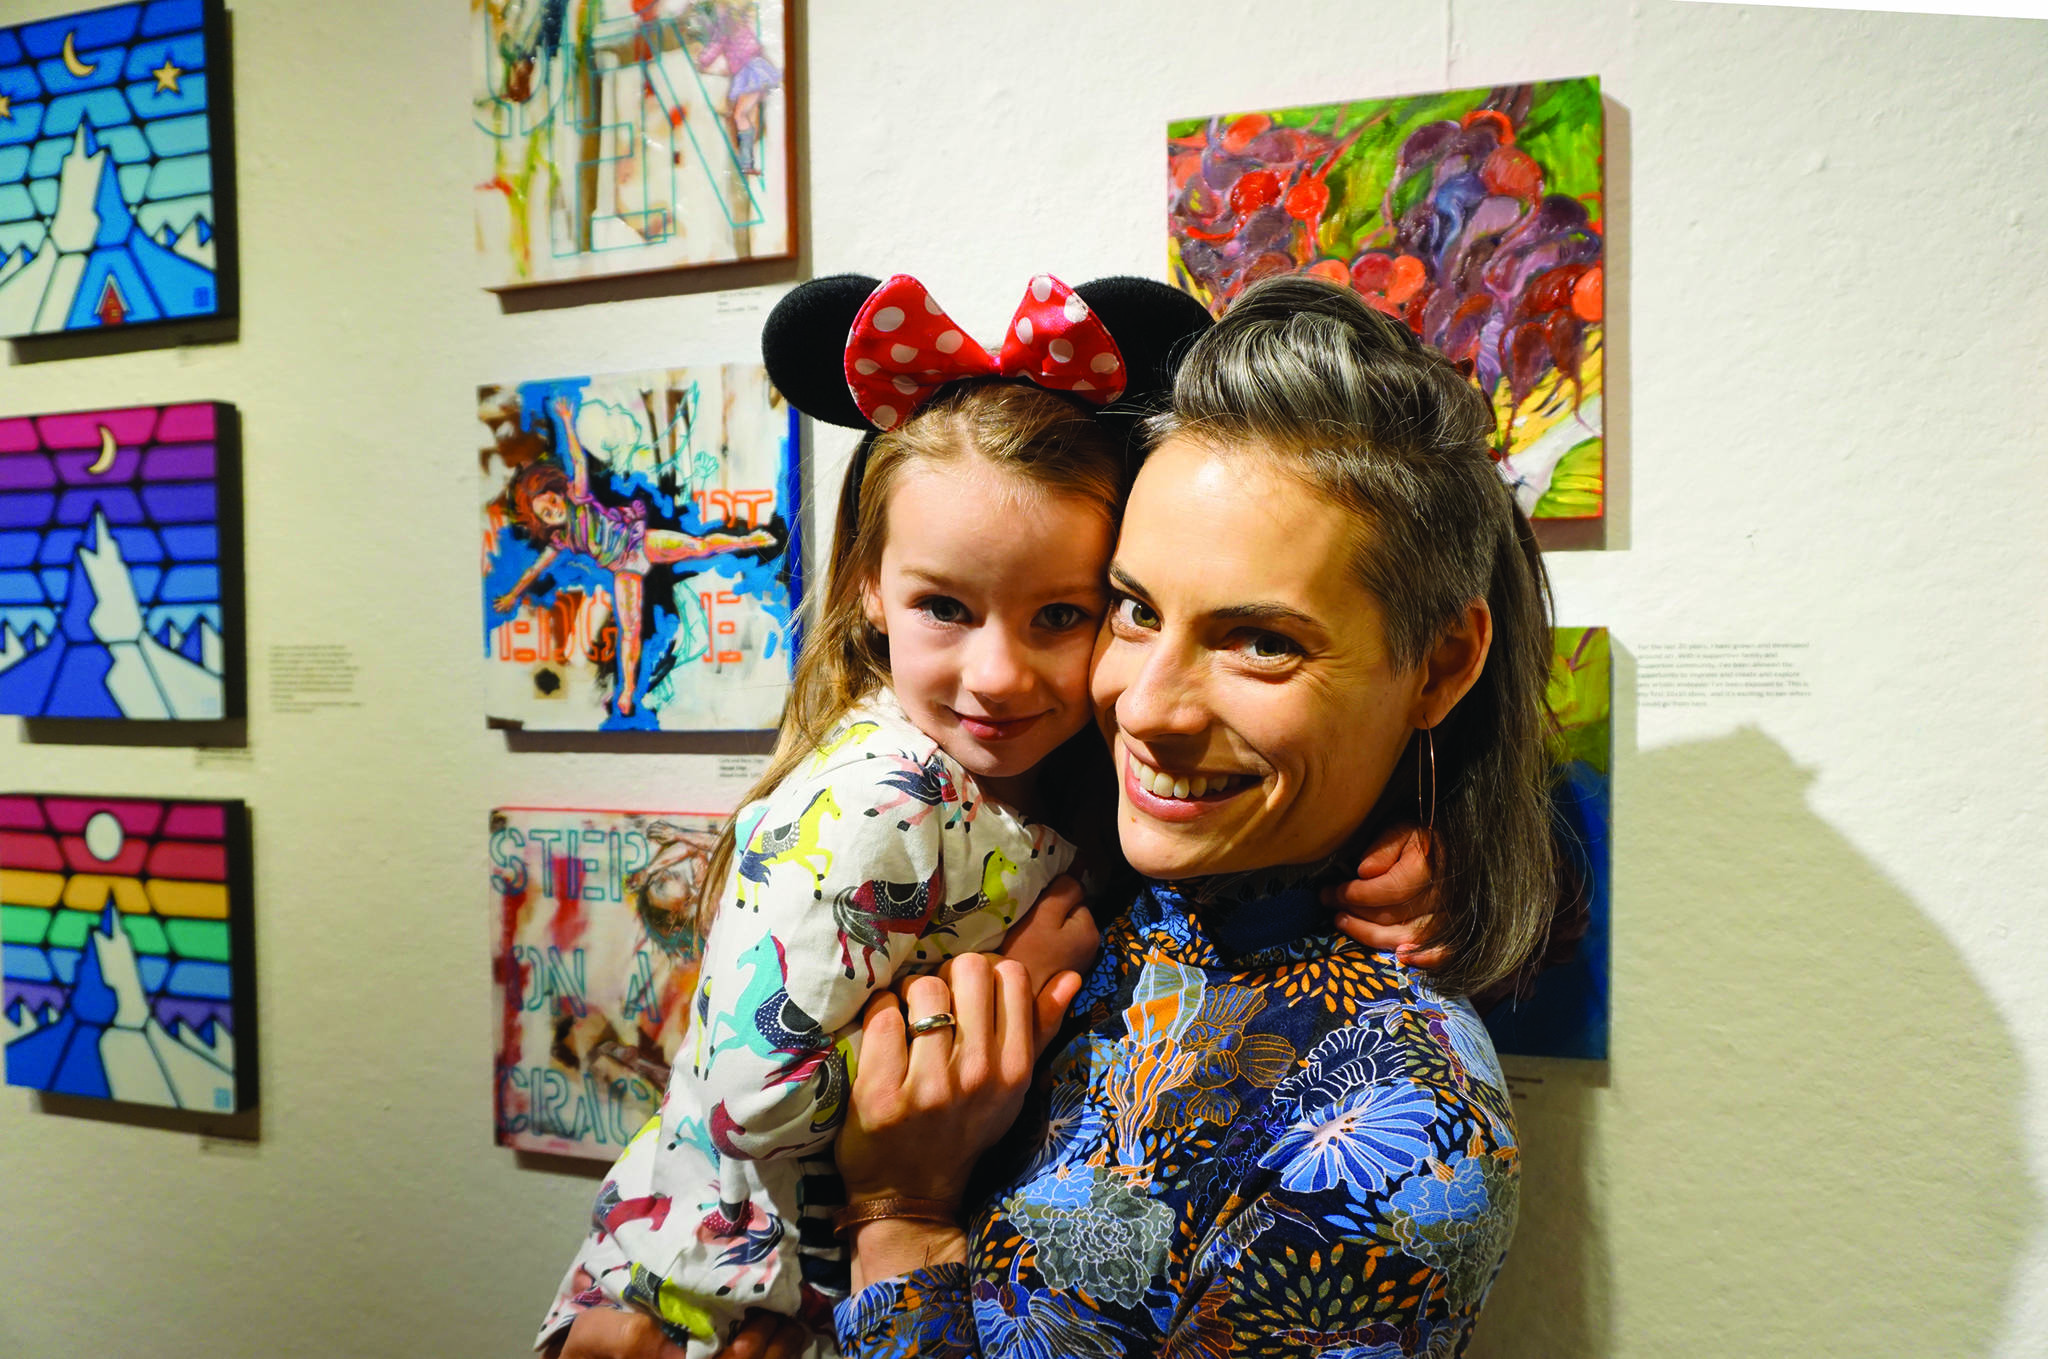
(129, 953)
(641, 562)
(1566, 1013)
(120, 564)
(1473, 216)
(628, 136)
(594, 954)
(116, 169)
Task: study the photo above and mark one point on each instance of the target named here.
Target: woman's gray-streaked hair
(1352, 402)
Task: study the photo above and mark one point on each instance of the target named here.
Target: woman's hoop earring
(1427, 810)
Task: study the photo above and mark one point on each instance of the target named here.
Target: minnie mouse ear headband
(853, 351)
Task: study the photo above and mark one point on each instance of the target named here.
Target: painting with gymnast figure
(120, 564)
(593, 961)
(1566, 1013)
(128, 950)
(1473, 216)
(627, 136)
(641, 567)
(116, 169)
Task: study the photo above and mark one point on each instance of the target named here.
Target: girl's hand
(1057, 934)
(926, 1106)
(1391, 904)
(617, 1333)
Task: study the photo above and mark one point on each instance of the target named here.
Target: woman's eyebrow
(1267, 612)
(1125, 581)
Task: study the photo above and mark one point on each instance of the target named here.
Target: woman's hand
(617, 1333)
(1391, 904)
(926, 1105)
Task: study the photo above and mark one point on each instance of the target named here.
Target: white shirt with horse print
(876, 859)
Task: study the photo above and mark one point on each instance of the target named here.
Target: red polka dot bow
(902, 348)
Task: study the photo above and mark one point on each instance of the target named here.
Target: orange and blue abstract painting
(641, 563)
(128, 952)
(1566, 1013)
(594, 954)
(1473, 216)
(120, 582)
(116, 181)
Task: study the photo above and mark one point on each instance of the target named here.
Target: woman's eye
(943, 609)
(1062, 617)
(1270, 646)
(1136, 613)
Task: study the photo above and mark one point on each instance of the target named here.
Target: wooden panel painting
(593, 960)
(640, 558)
(624, 136)
(120, 564)
(1474, 216)
(1566, 1014)
(116, 171)
(128, 950)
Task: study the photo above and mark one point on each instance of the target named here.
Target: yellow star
(6, 109)
(167, 77)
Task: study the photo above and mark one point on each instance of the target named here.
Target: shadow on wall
(1808, 1141)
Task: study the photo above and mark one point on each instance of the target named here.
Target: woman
(1258, 1136)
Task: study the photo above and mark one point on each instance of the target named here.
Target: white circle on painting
(104, 836)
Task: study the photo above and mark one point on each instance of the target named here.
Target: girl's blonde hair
(1043, 439)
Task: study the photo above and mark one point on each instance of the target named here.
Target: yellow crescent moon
(71, 61)
(107, 452)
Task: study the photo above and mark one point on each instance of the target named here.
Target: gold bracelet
(876, 1210)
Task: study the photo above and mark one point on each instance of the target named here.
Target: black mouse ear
(803, 342)
(1153, 325)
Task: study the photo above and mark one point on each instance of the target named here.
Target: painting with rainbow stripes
(129, 957)
(116, 169)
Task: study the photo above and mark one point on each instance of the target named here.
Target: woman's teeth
(1185, 786)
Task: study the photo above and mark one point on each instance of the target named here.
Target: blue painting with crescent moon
(119, 553)
(114, 173)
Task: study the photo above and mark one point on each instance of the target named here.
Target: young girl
(895, 825)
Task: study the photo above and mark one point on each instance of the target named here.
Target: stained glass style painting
(128, 951)
(593, 958)
(1474, 216)
(1566, 1015)
(640, 558)
(116, 174)
(120, 572)
(625, 136)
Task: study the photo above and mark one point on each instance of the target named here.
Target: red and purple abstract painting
(120, 579)
(128, 954)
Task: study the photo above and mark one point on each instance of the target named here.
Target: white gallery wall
(1824, 1127)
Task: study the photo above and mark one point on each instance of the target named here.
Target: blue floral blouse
(1262, 1139)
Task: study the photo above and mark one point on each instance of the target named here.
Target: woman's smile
(1182, 796)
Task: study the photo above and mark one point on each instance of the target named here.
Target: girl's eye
(943, 609)
(1136, 613)
(1062, 617)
